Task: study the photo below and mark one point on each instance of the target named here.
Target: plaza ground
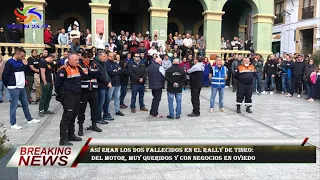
(273, 117)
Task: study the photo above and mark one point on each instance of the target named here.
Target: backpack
(313, 78)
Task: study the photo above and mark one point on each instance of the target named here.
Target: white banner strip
(196, 142)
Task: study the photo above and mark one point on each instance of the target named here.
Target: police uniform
(89, 94)
(68, 88)
(245, 76)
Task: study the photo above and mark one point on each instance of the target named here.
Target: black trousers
(278, 82)
(71, 103)
(195, 99)
(235, 84)
(90, 97)
(230, 77)
(296, 85)
(244, 92)
(157, 93)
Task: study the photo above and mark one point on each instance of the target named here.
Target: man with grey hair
(156, 84)
(176, 78)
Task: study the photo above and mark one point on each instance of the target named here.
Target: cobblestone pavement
(274, 116)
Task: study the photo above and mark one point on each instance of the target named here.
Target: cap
(147, 32)
(107, 45)
(49, 26)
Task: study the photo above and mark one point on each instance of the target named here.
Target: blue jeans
(213, 97)
(115, 92)
(286, 83)
(16, 95)
(257, 82)
(123, 93)
(135, 90)
(266, 85)
(178, 97)
(310, 88)
(75, 48)
(2, 88)
(103, 99)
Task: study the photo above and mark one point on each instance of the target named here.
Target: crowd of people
(102, 75)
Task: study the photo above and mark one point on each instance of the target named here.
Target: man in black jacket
(297, 76)
(270, 72)
(114, 70)
(89, 93)
(196, 72)
(156, 84)
(138, 76)
(103, 85)
(176, 78)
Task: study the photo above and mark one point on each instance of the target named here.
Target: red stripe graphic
(81, 154)
(304, 141)
(88, 141)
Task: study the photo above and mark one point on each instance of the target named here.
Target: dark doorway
(123, 22)
(172, 28)
(307, 41)
(68, 23)
(201, 30)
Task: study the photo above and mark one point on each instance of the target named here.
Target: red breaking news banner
(168, 151)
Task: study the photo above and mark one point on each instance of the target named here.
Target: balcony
(308, 12)
(279, 19)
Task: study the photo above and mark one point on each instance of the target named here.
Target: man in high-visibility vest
(218, 76)
(245, 76)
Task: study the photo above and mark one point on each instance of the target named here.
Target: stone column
(33, 32)
(212, 31)
(262, 33)
(242, 32)
(159, 22)
(99, 20)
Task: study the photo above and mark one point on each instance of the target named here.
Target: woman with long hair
(93, 52)
(206, 72)
(314, 83)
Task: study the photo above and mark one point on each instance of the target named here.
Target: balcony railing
(308, 12)
(279, 19)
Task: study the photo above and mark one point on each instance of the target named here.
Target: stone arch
(197, 27)
(244, 16)
(178, 22)
(256, 6)
(108, 1)
(202, 2)
(77, 16)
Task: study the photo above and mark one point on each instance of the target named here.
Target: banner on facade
(100, 26)
(276, 37)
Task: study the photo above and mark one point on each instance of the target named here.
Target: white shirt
(187, 42)
(100, 43)
(89, 36)
(151, 52)
(76, 33)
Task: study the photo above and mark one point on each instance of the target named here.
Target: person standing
(138, 76)
(13, 78)
(166, 63)
(2, 65)
(75, 39)
(29, 72)
(176, 78)
(218, 76)
(156, 74)
(196, 72)
(103, 86)
(206, 72)
(68, 89)
(258, 66)
(228, 64)
(185, 65)
(270, 70)
(124, 80)
(297, 76)
(244, 75)
(286, 74)
(114, 70)
(234, 67)
(310, 68)
(89, 88)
